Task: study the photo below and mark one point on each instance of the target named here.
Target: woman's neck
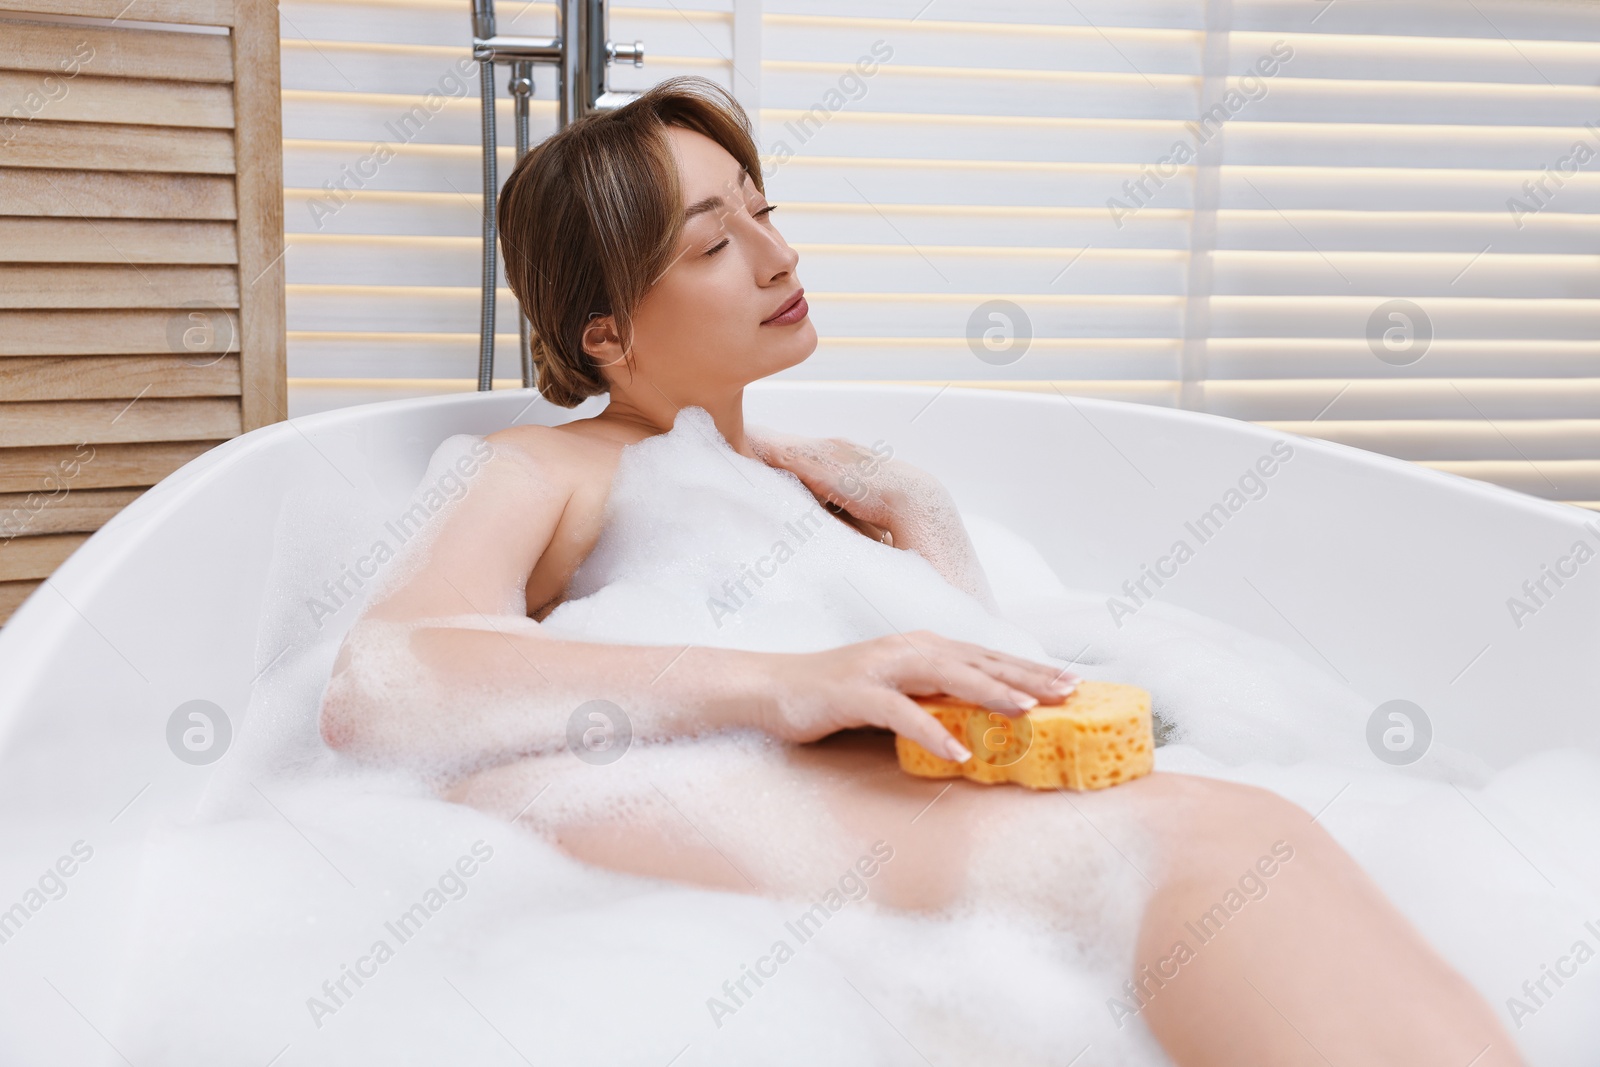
(654, 412)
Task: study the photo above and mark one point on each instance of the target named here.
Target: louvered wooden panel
(110, 333)
(105, 146)
(110, 377)
(109, 51)
(140, 102)
(187, 12)
(129, 241)
(141, 277)
(112, 195)
(115, 285)
(12, 594)
(61, 511)
(63, 422)
(36, 556)
(41, 469)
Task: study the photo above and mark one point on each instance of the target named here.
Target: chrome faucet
(580, 54)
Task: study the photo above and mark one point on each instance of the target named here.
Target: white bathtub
(1392, 577)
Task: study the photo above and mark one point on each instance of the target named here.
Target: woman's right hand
(871, 683)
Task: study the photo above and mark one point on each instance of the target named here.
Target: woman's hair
(591, 218)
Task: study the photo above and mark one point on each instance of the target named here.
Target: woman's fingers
(815, 477)
(819, 484)
(1040, 679)
(968, 682)
(907, 718)
(1047, 683)
(1034, 679)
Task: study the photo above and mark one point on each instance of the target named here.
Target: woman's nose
(775, 258)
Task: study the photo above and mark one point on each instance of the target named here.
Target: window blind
(1424, 162)
(1370, 222)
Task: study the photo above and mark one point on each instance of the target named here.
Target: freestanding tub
(1396, 579)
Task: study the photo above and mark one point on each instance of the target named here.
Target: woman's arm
(460, 693)
(445, 670)
(445, 666)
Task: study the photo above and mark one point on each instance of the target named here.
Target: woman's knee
(1206, 823)
(1190, 796)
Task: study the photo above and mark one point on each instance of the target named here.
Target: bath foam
(1100, 736)
(925, 511)
(1237, 696)
(239, 920)
(702, 545)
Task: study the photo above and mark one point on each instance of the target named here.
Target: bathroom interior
(1110, 269)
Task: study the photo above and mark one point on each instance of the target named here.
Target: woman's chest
(584, 519)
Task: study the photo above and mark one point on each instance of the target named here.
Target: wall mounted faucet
(581, 54)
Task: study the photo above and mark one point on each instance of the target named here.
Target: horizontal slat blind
(1414, 152)
(932, 161)
(1207, 205)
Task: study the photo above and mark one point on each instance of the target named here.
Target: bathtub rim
(42, 619)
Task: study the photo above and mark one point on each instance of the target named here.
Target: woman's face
(729, 309)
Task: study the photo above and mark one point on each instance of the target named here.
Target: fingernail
(1063, 686)
(1023, 700)
(957, 751)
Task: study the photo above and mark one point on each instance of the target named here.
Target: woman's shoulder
(581, 455)
(573, 452)
(574, 464)
(580, 437)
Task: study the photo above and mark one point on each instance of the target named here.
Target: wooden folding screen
(141, 246)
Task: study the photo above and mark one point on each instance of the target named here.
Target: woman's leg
(1264, 943)
(1261, 941)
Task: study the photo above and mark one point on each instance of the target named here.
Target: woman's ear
(601, 342)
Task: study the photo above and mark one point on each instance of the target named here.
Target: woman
(643, 248)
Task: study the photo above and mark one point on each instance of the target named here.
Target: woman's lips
(793, 312)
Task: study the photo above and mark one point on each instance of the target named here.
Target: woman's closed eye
(761, 214)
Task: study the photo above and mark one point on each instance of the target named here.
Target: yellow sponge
(1099, 736)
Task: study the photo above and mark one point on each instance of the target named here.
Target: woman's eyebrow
(700, 207)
